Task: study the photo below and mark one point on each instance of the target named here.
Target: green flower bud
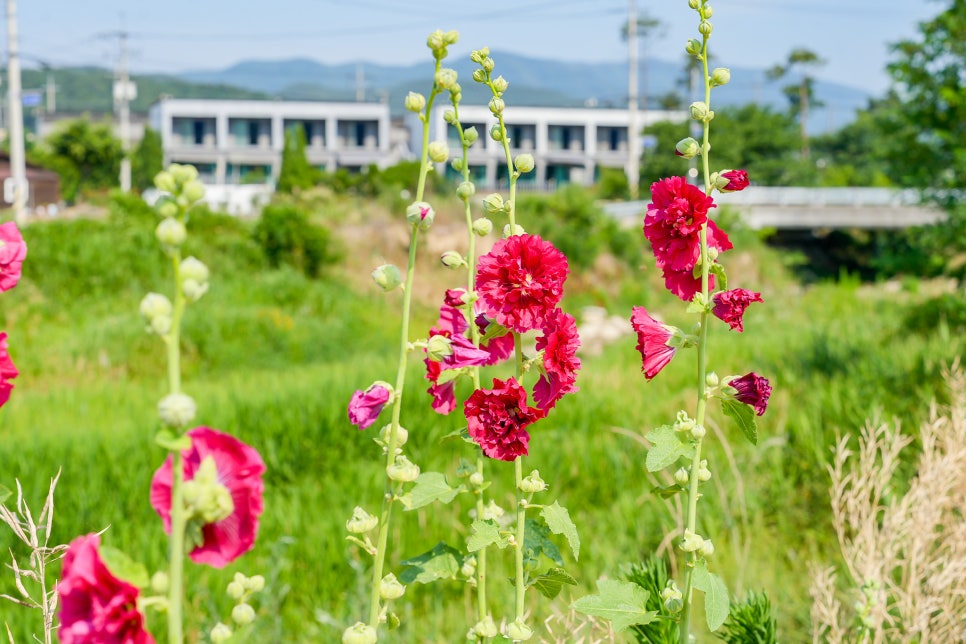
(681, 476)
(415, 102)
(359, 633)
(672, 597)
(476, 479)
(693, 47)
(402, 435)
(236, 590)
(465, 190)
(694, 4)
(183, 173)
(482, 226)
(435, 40)
(205, 497)
(387, 277)
(711, 379)
(220, 633)
(403, 470)
(705, 28)
(533, 483)
(164, 181)
(470, 135)
(154, 305)
(486, 628)
(193, 290)
(446, 78)
(243, 614)
(488, 64)
(193, 269)
(479, 75)
(457, 164)
(707, 12)
(687, 148)
(499, 84)
(420, 214)
(390, 588)
(159, 583)
(449, 115)
(439, 347)
(510, 232)
(479, 55)
(720, 76)
(361, 522)
(706, 549)
(492, 511)
(468, 569)
(496, 132)
(691, 541)
(518, 631)
(256, 583)
(451, 37)
(452, 259)
(699, 110)
(704, 474)
(496, 106)
(193, 191)
(161, 324)
(493, 203)
(524, 163)
(177, 410)
(698, 432)
(438, 152)
(167, 208)
(171, 232)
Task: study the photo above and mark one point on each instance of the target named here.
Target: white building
(234, 141)
(569, 145)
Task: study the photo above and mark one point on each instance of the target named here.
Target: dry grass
(904, 553)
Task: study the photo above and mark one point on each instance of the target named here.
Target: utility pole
(124, 92)
(18, 164)
(51, 102)
(633, 135)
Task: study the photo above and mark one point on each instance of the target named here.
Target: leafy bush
(948, 309)
(613, 184)
(286, 236)
(296, 172)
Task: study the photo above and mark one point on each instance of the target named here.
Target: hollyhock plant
(365, 406)
(732, 180)
(95, 606)
(559, 344)
(7, 371)
(753, 390)
(520, 281)
(730, 306)
(13, 250)
(653, 341)
(673, 222)
(223, 495)
(497, 419)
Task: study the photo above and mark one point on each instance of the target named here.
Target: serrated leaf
(716, 602)
(485, 532)
(124, 568)
(442, 562)
(622, 602)
(392, 621)
(744, 416)
(667, 491)
(550, 583)
(721, 278)
(429, 488)
(5, 493)
(666, 448)
(169, 441)
(537, 540)
(559, 521)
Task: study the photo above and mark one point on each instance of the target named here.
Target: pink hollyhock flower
(684, 283)
(453, 326)
(737, 180)
(521, 281)
(559, 344)
(7, 371)
(454, 297)
(499, 347)
(753, 390)
(13, 250)
(730, 306)
(652, 341)
(673, 222)
(95, 606)
(497, 419)
(444, 394)
(365, 406)
(227, 476)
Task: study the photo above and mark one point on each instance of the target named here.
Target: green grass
(273, 357)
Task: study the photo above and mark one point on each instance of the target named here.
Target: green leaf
(666, 448)
(744, 416)
(716, 603)
(559, 521)
(485, 533)
(550, 583)
(429, 488)
(537, 541)
(622, 602)
(667, 491)
(5, 493)
(721, 281)
(169, 441)
(442, 562)
(124, 568)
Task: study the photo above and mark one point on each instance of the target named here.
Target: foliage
(147, 160)
(652, 575)
(947, 310)
(751, 622)
(854, 155)
(296, 172)
(86, 155)
(800, 95)
(613, 184)
(286, 236)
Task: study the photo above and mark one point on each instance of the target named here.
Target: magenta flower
(520, 281)
(365, 406)
(95, 606)
(559, 344)
(452, 325)
(455, 297)
(737, 180)
(673, 222)
(499, 347)
(652, 341)
(223, 495)
(7, 371)
(753, 390)
(730, 306)
(497, 419)
(13, 250)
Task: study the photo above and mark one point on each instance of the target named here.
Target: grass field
(273, 357)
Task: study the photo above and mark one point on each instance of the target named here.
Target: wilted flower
(730, 306)
(365, 406)
(653, 341)
(751, 389)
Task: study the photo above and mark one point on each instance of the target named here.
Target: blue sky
(176, 35)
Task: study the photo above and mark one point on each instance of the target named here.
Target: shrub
(613, 184)
(286, 236)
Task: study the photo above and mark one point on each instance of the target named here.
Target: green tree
(296, 172)
(86, 155)
(854, 155)
(147, 160)
(801, 94)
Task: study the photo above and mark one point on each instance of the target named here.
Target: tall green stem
(521, 535)
(176, 541)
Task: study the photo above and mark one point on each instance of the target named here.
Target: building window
(199, 128)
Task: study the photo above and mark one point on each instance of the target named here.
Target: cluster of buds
(439, 40)
(240, 589)
(686, 425)
(157, 310)
(694, 542)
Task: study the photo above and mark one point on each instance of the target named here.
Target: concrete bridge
(813, 208)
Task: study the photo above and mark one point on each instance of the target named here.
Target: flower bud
(438, 152)
(415, 102)
(456, 92)
(457, 164)
(420, 214)
(154, 305)
(693, 47)
(479, 75)
(465, 190)
(515, 230)
(193, 191)
(470, 135)
(479, 55)
(499, 84)
(707, 11)
(193, 290)
(524, 163)
(451, 37)
(493, 203)
(720, 76)
(161, 324)
(704, 474)
(698, 432)
(402, 435)
(445, 78)
(449, 115)
(706, 549)
(183, 173)
(243, 614)
(439, 347)
(476, 479)
(672, 597)
(496, 132)
(533, 483)
(164, 181)
(681, 476)
(711, 380)
(359, 633)
(361, 521)
(730, 180)
(256, 583)
(177, 410)
(518, 630)
(486, 628)
(691, 541)
(468, 569)
(694, 4)
(482, 226)
(390, 588)
(220, 633)
(387, 277)
(497, 105)
(159, 582)
(492, 511)
(171, 232)
(699, 110)
(403, 470)
(452, 259)
(488, 64)
(705, 28)
(687, 148)
(167, 208)
(193, 269)
(236, 589)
